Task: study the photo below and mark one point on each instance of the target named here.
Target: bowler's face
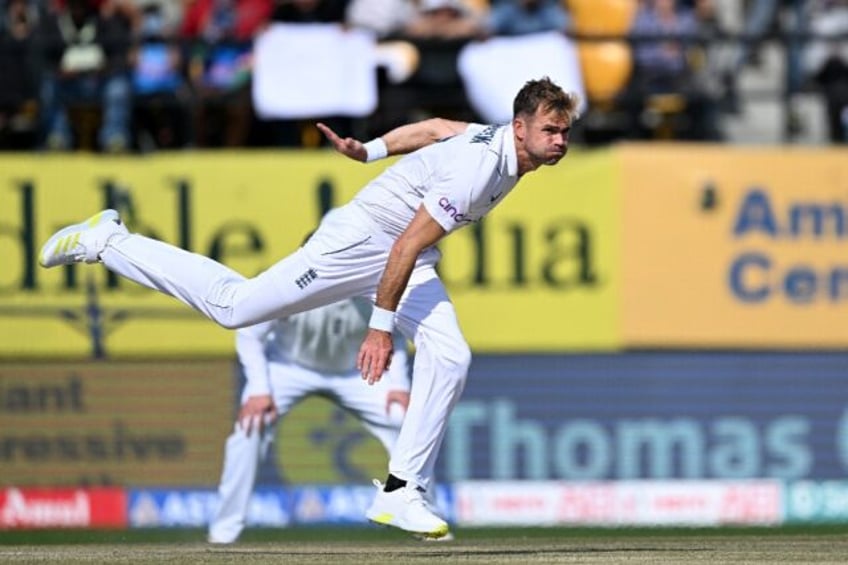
(546, 136)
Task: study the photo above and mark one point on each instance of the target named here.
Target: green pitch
(826, 544)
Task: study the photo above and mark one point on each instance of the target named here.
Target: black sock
(393, 483)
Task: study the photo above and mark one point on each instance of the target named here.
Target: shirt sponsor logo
(452, 211)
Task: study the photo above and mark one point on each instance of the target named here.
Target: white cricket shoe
(225, 530)
(405, 508)
(447, 537)
(429, 497)
(82, 242)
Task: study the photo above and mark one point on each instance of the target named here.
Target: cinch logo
(452, 211)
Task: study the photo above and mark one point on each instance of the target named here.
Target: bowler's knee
(230, 323)
(225, 307)
(457, 359)
(229, 318)
(463, 358)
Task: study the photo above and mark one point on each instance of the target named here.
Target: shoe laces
(410, 493)
(413, 495)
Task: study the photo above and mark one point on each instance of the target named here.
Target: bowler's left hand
(348, 146)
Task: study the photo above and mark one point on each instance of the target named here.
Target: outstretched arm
(377, 347)
(399, 141)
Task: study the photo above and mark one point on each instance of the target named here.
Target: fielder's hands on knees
(375, 355)
(256, 413)
(348, 146)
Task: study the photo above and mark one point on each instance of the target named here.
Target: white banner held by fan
(314, 70)
(493, 71)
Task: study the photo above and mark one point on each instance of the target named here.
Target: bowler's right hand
(375, 355)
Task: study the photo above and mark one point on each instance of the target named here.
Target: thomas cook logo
(303, 280)
(452, 211)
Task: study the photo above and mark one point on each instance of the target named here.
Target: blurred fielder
(287, 360)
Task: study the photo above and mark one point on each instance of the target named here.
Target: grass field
(797, 545)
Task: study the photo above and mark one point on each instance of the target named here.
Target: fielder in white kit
(381, 246)
(287, 360)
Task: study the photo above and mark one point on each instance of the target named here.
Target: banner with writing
(734, 248)
(140, 423)
(543, 264)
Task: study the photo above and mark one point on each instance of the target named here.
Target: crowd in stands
(120, 76)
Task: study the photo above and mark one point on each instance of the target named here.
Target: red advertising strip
(618, 503)
(33, 508)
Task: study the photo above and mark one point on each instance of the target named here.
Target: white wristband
(375, 149)
(382, 319)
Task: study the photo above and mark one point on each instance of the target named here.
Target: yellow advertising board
(245, 211)
(134, 424)
(538, 274)
(154, 423)
(742, 247)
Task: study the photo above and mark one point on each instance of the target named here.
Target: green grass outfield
(825, 544)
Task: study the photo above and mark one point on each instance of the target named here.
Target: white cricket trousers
(291, 383)
(345, 257)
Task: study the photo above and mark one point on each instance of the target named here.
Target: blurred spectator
(309, 11)
(431, 36)
(303, 133)
(444, 19)
(761, 17)
(439, 29)
(397, 58)
(162, 100)
(523, 17)
(665, 83)
(826, 62)
(171, 13)
(233, 20)
(125, 11)
(220, 67)
(384, 17)
(18, 87)
(712, 57)
(85, 48)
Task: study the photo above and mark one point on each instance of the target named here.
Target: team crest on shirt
(303, 280)
(485, 136)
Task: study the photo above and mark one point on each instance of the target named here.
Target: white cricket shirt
(325, 340)
(458, 180)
